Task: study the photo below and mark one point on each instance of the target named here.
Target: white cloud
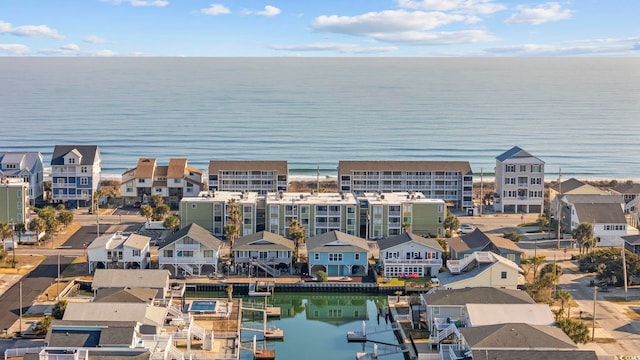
(158, 3)
(92, 39)
(269, 11)
(437, 38)
(388, 21)
(103, 53)
(551, 11)
(70, 47)
(14, 49)
(467, 6)
(216, 9)
(335, 47)
(30, 31)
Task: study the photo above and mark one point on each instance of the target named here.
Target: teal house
(338, 254)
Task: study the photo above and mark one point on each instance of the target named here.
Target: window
(536, 181)
(72, 161)
(356, 256)
(351, 210)
(335, 257)
(377, 210)
(158, 190)
(176, 181)
(510, 181)
(439, 219)
(108, 255)
(208, 253)
(136, 252)
(247, 209)
(511, 257)
(273, 209)
(316, 256)
(84, 169)
(188, 241)
(440, 208)
(536, 168)
(84, 181)
(510, 168)
(119, 255)
(523, 168)
(11, 166)
(436, 311)
(247, 221)
(503, 275)
(185, 253)
(304, 209)
(141, 181)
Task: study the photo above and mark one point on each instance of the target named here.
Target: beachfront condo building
(173, 182)
(519, 182)
(14, 197)
(75, 174)
(26, 165)
(211, 210)
(384, 215)
(261, 176)
(317, 213)
(451, 181)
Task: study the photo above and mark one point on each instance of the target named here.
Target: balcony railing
(187, 247)
(185, 260)
(412, 262)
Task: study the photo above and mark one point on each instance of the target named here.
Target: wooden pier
(264, 354)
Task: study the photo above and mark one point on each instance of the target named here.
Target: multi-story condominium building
(390, 214)
(210, 210)
(172, 182)
(519, 182)
(14, 197)
(317, 213)
(26, 165)
(451, 181)
(250, 175)
(75, 172)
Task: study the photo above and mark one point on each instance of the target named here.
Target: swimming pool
(203, 306)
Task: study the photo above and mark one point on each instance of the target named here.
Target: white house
(26, 165)
(481, 269)
(519, 182)
(119, 251)
(608, 221)
(190, 251)
(408, 253)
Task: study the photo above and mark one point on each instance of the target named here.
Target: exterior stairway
(188, 269)
(266, 267)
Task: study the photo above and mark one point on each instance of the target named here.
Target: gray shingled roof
(408, 237)
(27, 159)
(632, 239)
(515, 152)
(569, 185)
(64, 333)
(628, 188)
(517, 336)
(478, 240)
(341, 242)
(477, 295)
(594, 199)
(264, 240)
(600, 213)
(125, 295)
(133, 278)
(197, 233)
(88, 153)
(534, 355)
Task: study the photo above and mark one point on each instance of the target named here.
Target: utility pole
(624, 272)
(481, 189)
(58, 280)
(20, 322)
(593, 330)
(559, 207)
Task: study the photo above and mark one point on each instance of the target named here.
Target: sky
(313, 28)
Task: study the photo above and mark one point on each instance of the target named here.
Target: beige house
(261, 176)
(173, 181)
(481, 269)
(190, 251)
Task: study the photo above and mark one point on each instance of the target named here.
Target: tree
(172, 222)
(146, 211)
(38, 225)
(65, 217)
(565, 299)
(542, 221)
(43, 326)
(445, 248)
(48, 214)
(549, 269)
(557, 313)
(232, 228)
(5, 232)
(161, 211)
(513, 236)
(322, 276)
(583, 235)
(406, 226)
(58, 309)
(295, 232)
(96, 200)
(575, 329)
(451, 222)
(157, 200)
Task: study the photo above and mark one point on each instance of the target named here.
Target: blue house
(338, 254)
(75, 173)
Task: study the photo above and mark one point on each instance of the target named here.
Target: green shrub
(322, 276)
(512, 235)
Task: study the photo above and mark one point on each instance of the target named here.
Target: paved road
(32, 286)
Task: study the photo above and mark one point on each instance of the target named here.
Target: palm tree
(96, 200)
(5, 232)
(146, 211)
(583, 235)
(451, 222)
(565, 298)
(38, 225)
(406, 226)
(172, 222)
(542, 221)
(295, 232)
(232, 229)
(558, 313)
(157, 200)
(161, 211)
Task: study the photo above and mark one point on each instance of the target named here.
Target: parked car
(137, 204)
(466, 229)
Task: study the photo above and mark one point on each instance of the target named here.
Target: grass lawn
(24, 265)
(77, 268)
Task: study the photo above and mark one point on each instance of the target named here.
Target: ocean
(581, 115)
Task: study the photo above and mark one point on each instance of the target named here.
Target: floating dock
(264, 354)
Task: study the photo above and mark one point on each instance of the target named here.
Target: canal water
(316, 324)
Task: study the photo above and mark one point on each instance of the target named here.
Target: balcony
(187, 247)
(523, 184)
(185, 260)
(427, 262)
(66, 185)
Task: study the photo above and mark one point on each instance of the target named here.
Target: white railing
(19, 352)
(412, 262)
(187, 268)
(270, 270)
(189, 247)
(197, 331)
